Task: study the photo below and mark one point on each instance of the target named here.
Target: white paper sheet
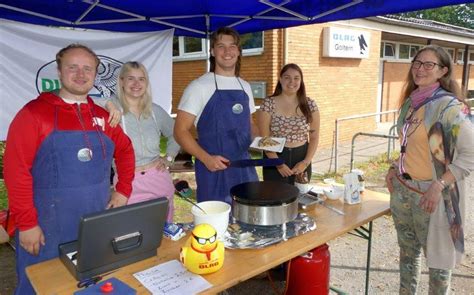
(171, 278)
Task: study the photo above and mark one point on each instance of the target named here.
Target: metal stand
(365, 233)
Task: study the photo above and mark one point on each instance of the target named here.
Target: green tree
(459, 15)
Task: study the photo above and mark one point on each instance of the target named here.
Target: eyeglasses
(202, 241)
(427, 65)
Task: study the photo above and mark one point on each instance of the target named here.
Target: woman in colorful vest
(427, 182)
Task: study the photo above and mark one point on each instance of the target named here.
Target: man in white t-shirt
(219, 104)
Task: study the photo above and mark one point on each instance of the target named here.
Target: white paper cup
(217, 215)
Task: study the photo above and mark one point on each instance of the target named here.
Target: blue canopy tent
(198, 18)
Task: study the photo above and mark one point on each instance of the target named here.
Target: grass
(373, 169)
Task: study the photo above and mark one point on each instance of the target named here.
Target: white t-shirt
(199, 92)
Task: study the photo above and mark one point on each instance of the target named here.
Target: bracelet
(443, 183)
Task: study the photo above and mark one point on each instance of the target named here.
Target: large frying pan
(264, 202)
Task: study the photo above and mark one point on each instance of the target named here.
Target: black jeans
(291, 156)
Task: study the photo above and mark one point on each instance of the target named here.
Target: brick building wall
(262, 67)
(342, 87)
(395, 74)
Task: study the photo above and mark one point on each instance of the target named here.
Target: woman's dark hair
(446, 82)
(301, 94)
(215, 38)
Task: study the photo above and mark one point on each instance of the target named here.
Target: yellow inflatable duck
(202, 253)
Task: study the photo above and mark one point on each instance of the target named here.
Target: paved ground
(348, 258)
(365, 147)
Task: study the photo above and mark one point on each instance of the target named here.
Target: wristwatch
(169, 160)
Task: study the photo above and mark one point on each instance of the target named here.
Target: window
(389, 50)
(192, 45)
(450, 51)
(407, 51)
(188, 46)
(404, 52)
(252, 41)
(413, 50)
(460, 56)
(194, 48)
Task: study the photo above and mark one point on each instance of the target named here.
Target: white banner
(28, 67)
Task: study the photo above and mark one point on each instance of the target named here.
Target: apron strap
(238, 80)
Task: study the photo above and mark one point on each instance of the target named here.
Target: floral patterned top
(293, 128)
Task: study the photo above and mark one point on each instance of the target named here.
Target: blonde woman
(144, 122)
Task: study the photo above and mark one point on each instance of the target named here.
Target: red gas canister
(309, 273)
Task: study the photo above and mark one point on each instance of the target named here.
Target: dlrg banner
(28, 67)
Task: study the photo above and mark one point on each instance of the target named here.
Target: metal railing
(390, 137)
(336, 130)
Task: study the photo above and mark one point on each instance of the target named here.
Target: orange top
(417, 160)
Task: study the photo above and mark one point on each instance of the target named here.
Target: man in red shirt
(57, 162)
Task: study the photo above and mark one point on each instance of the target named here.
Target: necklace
(85, 154)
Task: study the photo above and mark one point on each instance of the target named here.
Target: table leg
(366, 233)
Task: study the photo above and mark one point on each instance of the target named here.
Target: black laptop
(114, 238)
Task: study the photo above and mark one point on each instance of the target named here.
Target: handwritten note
(171, 278)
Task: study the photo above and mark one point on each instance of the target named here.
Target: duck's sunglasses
(203, 241)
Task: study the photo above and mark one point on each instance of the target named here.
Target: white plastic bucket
(217, 215)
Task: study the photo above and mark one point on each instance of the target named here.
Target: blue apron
(224, 129)
(64, 189)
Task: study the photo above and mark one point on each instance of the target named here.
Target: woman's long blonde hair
(146, 102)
(446, 82)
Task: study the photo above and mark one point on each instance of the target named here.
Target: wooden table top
(52, 277)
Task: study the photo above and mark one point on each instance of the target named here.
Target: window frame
(397, 58)
(183, 56)
(461, 61)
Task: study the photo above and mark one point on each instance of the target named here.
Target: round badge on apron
(84, 155)
(237, 108)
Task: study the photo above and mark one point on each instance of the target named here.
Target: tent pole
(208, 53)
(285, 46)
(465, 70)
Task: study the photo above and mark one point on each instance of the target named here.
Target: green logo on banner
(49, 84)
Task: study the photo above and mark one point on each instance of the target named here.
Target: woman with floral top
(426, 184)
(289, 113)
